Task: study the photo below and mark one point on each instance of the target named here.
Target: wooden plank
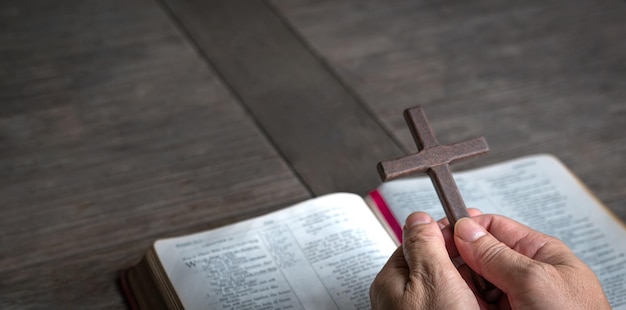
(113, 133)
(319, 126)
(530, 76)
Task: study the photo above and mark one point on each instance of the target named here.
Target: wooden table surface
(126, 121)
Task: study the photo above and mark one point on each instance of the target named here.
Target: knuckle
(489, 254)
(535, 275)
(523, 270)
(418, 241)
(419, 290)
(422, 234)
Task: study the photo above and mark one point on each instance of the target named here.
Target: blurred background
(126, 121)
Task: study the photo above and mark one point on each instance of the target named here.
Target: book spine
(384, 210)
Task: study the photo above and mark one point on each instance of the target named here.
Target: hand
(533, 270)
(420, 274)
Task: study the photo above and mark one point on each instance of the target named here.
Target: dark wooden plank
(325, 134)
(113, 133)
(530, 76)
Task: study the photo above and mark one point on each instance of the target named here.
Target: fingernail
(468, 230)
(417, 219)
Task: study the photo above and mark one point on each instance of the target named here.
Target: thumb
(489, 257)
(423, 242)
(432, 277)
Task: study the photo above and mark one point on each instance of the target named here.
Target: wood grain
(113, 133)
(126, 121)
(530, 76)
(319, 126)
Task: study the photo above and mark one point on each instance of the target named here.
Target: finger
(445, 222)
(522, 261)
(495, 295)
(424, 245)
(494, 260)
(448, 236)
(431, 272)
(525, 240)
(390, 281)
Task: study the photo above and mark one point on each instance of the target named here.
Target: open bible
(325, 252)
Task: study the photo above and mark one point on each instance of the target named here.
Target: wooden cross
(435, 160)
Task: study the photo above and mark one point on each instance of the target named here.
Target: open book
(325, 252)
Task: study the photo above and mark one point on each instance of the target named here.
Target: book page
(539, 192)
(321, 254)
